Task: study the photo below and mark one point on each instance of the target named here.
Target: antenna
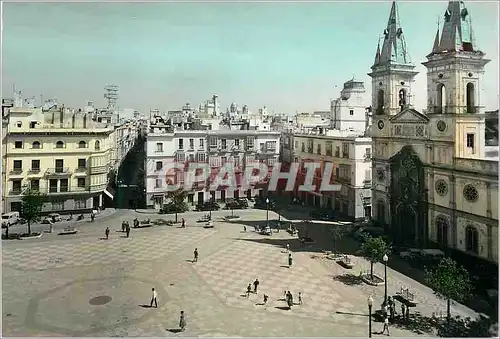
(111, 94)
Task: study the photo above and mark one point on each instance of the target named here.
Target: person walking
(107, 233)
(195, 255)
(290, 260)
(128, 231)
(300, 298)
(183, 223)
(244, 228)
(182, 321)
(154, 298)
(265, 299)
(249, 290)
(255, 285)
(287, 248)
(386, 326)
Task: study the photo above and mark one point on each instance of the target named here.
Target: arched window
(381, 212)
(470, 98)
(440, 99)
(97, 145)
(82, 144)
(60, 144)
(471, 239)
(402, 98)
(442, 227)
(380, 102)
(36, 145)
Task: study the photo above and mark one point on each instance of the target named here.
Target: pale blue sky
(288, 56)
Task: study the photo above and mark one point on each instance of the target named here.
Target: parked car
(322, 215)
(243, 202)
(9, 219)
(47, 220)
(207, 206)
(55, 217)
(235, 204)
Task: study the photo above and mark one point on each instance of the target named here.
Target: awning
(110, 192)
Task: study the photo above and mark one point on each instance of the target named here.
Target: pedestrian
(385, 310)
(182, 321)
(300, 298)
(291, 297)
(265, 298)
(183, 223)
(128, 231)
(287, 248)
(255, 285)
(107, 233)
(290, 260)
(249, 290)
(244, 228)
(402, 311)
(195, 255)
(154, 298)
(386, 326)
(285, 295)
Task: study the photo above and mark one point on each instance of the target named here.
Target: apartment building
(349, 109)
(350, 154)
(123, 138)
(215, 147)
(62, 153)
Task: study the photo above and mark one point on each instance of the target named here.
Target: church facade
(432, 185)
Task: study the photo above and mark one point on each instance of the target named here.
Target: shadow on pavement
(348, 279)
(174, 330)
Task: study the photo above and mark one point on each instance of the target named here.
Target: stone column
(453, 220)
(488, 200)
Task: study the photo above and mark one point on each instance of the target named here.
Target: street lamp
(210, 207)
(267, 212)
(385, 258)
(370, 304)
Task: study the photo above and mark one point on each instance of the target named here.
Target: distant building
(349, 110)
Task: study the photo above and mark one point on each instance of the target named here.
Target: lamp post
(210, 207)
(370, 304)
(385, 258)
(267, 212)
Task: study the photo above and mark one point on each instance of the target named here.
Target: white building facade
(349, 110)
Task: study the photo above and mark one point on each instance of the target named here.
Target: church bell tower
(392, 72)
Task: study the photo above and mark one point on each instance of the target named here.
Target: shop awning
(110, 192)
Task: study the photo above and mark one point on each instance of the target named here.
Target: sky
(288, 56)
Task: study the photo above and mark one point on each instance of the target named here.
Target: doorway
(201, 197)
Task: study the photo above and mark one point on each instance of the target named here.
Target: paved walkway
(56, 286)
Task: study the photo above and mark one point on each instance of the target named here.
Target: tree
(336, 233)
(373, 249)
(31, 206)
(449, 281)
(178, 200)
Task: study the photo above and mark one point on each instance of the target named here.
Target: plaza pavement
(48, 284)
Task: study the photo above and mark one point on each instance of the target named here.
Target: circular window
(441, 126)
(470, 193)
(380, 174)
(441, 187)
(19, 124)
(380, 124)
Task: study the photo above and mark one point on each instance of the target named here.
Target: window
(32, 124)
(35, 185)
(16, 186)
(271, 162)
(63, 185)
(19, 124)
(213, 141)
(368, 153)
(345, 150)
(81, 182)
(250, 142)
(202, 143)
(337, 151)
(236, 160)
(296, 144)
(318, 149)
(223, 160)
(303, 148)
(191, 158)
(179, 177)
(271, 145)
(82, 163)
(442, 231)
(159, 147)
(329, 148)
(97, 145)
(159, 165)
(180, 157)
(59, 165)
(18, 165)
(223, 143)
(261, 146)
(158, 183)
(191, 143)
(181, 143)
(82, 144)
(18, 144)
(471, 239)
(35, 165)
(80, 204)
(237, 143)
(57, 205)
(351, 112)
(214, 161)
(60, 144)
(202, 157)
(470, 141)
(36, 145)
(52, 185)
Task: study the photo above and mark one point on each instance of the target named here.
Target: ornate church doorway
(408, 199)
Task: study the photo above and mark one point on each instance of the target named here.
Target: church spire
(377, 54)
(394, 46)
(457, 34)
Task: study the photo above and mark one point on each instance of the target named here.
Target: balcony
(34, 172)
(99, 169)
(345, 155)
(367, 183)
(310, 150)
(15, 191)
(329, 152)
(367, 157)
(81, 171)
(16, 171)
(58, 172)
(337, 154)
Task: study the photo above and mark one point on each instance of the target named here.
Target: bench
(68, 230)
(143, 225)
